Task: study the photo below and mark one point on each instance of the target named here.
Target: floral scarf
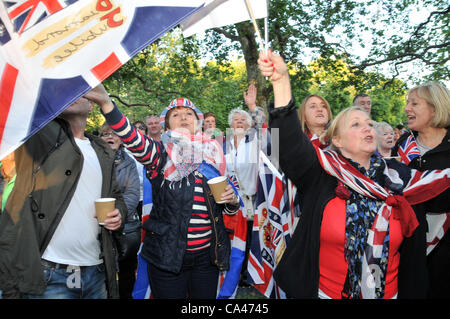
(360, 215)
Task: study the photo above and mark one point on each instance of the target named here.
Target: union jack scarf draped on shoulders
(438, 224)
(418, 187)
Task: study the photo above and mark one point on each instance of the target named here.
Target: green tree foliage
(402, 37)
(319, 39)
(165, 71)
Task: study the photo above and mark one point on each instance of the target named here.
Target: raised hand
(250, 97)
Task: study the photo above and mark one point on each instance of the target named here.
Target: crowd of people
(374, 201)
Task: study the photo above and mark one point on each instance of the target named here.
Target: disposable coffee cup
(217, 186)
(103, 206)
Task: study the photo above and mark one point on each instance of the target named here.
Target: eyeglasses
(140, 127)
(107, 134)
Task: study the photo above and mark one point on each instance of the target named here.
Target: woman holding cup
(185, 243)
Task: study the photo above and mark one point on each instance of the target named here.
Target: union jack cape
(420, 187)
(54, 51)
(272, 228)
(142, 288)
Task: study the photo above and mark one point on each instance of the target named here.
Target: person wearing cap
(185, 243)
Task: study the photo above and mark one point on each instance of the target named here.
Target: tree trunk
(250, 48)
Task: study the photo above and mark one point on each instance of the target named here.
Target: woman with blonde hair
(315, 114)
(428, 147)
(356, 206)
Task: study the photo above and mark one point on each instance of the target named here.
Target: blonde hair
(438, 98)
(335, 125)
(301, 111)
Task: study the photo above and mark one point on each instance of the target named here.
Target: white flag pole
(255, 25)
(266, 26)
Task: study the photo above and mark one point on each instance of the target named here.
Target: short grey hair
(239, 111)
(380, 127)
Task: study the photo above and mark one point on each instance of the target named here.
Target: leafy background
(334, 48)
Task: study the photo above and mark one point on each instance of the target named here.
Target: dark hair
(208, 114)
(358, 96)
(136, 123)
(166, 119)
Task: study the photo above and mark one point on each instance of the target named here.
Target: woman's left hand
(228, 197)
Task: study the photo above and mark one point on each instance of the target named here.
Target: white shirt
(75, 241)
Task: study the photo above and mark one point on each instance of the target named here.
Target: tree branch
(227, 34)
(413, 55)
(125, 103)
(157, 92)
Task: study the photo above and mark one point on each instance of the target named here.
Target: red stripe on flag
(276, 202)
(7, 84)
(378, 237)
(107, 67)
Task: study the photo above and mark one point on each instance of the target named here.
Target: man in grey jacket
(51, 245)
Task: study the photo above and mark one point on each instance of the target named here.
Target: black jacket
(166, 229)
(298, 271)
(438, 261)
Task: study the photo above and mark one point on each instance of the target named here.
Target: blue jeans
(197, 279)
(74, 283)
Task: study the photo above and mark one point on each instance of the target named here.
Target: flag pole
(255, 25)
(266, 26)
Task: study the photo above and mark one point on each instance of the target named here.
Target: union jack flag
(142, 289)
(54, 51)
(272, 228)
(25, 14)
(408, 150)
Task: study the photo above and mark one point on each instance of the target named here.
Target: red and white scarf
(186, 152)
(438, 224)
(420, 187)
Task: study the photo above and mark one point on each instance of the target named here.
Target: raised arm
(144, 149)
(298, 157)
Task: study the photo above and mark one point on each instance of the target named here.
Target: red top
(332, 263)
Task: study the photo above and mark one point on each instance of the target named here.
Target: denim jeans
(74, 283)
(197, 279)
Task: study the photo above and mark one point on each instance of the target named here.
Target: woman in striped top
(185, 244)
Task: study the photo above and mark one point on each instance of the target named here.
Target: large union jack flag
(272, 228)
(53, 51)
